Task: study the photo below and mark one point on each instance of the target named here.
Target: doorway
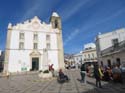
(109, 63)
(35, 64)
(118, 61)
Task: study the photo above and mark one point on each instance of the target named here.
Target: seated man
(62, 76)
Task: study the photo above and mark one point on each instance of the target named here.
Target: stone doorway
(35, 64)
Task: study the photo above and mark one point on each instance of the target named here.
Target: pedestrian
(88, 69)
(91, 70)
(83, 73)
(98, 75)
(117, 74)
(107, 74)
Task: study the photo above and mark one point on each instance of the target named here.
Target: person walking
(98, 75)
(83, 73)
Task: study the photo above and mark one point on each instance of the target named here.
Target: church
(33, 45)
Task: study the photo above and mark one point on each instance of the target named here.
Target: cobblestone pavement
(31, 83)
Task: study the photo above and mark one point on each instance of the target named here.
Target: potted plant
(45, 74)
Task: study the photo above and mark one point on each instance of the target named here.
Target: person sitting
(62, 76)
(106, 74)
(116, 74)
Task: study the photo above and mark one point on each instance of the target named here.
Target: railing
(119, 47)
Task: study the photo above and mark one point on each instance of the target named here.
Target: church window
(48, 37)
(88, 55)
(21, 45)
(93, 55)
(48, 45)
(35, 37)
(21, 36)
(85, 56)
(35, 46)
(115, 42)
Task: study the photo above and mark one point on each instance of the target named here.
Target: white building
(89, 53)
(33, 45)
(78, 58)
(111, 47)
(0, 52)
(68, 58)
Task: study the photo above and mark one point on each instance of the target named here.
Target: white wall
(90, 52)
(92, 45)
(19, 58)
(105, 40)
(0, 52)
(78, 58)
(113, 58)
(53, 57)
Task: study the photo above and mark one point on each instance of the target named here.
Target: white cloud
(71, 36)
(85, 28)
(70, 9)
(30, 10)
(38, 8)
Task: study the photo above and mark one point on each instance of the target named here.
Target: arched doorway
(118, 61)
(35, 63)
(109, 63)
(35, 58)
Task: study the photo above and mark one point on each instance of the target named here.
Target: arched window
(56, 24)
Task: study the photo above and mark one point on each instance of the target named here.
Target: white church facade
(33, 45)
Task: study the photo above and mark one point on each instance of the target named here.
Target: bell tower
(55, 21)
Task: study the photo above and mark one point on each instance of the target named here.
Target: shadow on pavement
(109, 87)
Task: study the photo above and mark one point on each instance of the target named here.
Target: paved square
(31, 83)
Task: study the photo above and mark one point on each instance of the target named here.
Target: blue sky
(82, 20)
